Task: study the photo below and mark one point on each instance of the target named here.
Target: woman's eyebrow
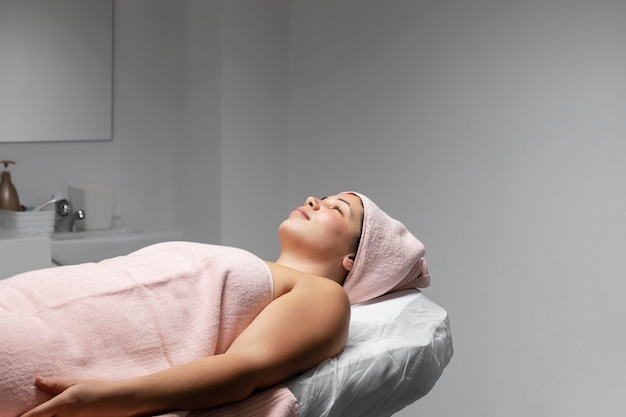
(345, 201)
(340, 199)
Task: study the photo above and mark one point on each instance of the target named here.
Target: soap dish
(28, 222)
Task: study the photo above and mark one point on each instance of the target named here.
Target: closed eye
(337, 205)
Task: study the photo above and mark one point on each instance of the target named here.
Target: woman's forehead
(351, 198)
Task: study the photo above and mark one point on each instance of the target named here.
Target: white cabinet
(21, 253)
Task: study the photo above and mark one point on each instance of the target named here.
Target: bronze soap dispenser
(9, 199)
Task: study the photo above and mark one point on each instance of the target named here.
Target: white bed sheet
(397, 349)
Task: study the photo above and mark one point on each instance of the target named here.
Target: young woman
(299, 319)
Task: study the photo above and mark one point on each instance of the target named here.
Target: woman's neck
(312, 266)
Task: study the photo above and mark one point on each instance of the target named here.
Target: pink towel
(163, 305)
(389, 257)
(277, 401)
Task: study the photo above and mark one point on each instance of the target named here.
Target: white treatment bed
(398, 347)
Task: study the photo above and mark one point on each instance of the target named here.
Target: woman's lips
(302, 212)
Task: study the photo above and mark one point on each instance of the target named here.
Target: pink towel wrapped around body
(163, 305)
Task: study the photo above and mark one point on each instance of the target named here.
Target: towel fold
(389, 257)
(163, 305)
(276, 401)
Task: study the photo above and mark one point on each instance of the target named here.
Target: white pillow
(398, 347)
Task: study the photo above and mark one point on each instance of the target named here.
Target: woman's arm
(293, 333)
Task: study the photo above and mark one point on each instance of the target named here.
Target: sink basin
(70, 248)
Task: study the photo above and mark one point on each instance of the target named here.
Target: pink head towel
(389, 257)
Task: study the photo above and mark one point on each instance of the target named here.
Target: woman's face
(325, 227)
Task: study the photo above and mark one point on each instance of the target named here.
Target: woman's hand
(81, 399)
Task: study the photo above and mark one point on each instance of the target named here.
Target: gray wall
(202, 93)
(493, 129)
(496, 131)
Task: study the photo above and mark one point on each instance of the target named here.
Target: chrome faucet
(64, 218)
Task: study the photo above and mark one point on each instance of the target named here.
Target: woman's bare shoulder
(290, 280)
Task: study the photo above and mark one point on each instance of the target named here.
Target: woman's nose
(312, 202)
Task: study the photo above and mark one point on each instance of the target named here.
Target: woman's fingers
(47, 409)
(52, 407)
(53, 385)
(80, 399)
